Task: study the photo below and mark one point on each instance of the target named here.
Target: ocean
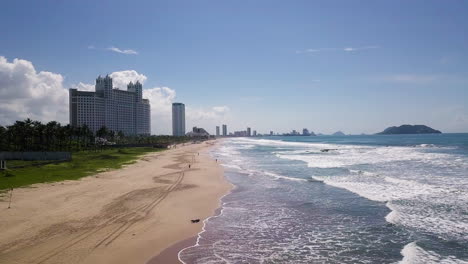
(347, 199)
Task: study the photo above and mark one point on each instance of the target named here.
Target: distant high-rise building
(271, 133)
(249, 134)
(117, 110)
(255, 133)
(217, 131)
(240, 133)
(225, 130)
(178, 119)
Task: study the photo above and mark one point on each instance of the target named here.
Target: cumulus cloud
(123, 51)
(84, 87)
(161, 99)
(120, 79)
(24, 93)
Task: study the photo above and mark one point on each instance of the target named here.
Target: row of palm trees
(29, 135)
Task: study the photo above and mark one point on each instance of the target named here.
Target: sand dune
(122, 216)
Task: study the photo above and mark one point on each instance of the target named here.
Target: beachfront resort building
(178, 119)
(117, 110)
(198, 132)
(217, 131)
(249, 133)
(225, 130)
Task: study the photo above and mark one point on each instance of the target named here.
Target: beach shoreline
(128, 215)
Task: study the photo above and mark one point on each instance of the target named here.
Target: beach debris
(327, 150)
(195, 221)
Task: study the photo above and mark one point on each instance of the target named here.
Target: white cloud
(412, 78)
(125, 51)
(84, 87)
(200, 114)
(120, 79)
(24, 93)
(346, 49)
(91, 47)
(161, 99)
(221, 109)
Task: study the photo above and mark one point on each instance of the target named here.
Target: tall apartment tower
(117, 110)
(224, 130)
(178, 119)
(249, 132)
(217, 131)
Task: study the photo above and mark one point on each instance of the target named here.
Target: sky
(354, 66)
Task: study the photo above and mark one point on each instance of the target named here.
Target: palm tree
(37, 135)
(102, 132)
(120, 137)
(3, 139)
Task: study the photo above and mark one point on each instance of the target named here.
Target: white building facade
(117, 110)
(178, 119)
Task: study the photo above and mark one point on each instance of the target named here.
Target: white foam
(203, 230)
(414, 254)
(424, 187)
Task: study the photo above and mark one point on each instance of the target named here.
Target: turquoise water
(368, 199)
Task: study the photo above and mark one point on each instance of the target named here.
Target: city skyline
(320, 66)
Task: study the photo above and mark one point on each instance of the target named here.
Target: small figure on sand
(189, 166)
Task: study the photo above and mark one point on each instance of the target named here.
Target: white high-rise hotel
(178, 119)
(118, 110)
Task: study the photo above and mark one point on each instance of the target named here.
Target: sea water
(350, 199)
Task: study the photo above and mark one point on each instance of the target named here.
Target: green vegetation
(84, 163)
(29, 135)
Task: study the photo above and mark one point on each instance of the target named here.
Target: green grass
(83, 164)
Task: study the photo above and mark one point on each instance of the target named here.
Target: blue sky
(355, 66)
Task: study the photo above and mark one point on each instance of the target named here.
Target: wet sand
(123, 216)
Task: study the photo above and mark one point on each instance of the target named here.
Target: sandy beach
(122, 216)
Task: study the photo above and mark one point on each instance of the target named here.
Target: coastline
(172, 253)
(128, 215)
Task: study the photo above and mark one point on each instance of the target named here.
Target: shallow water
(371, 199)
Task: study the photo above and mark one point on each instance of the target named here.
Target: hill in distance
(409, 129)
(339, 133)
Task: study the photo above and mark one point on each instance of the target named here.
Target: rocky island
(339, 133)
(409, 129)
